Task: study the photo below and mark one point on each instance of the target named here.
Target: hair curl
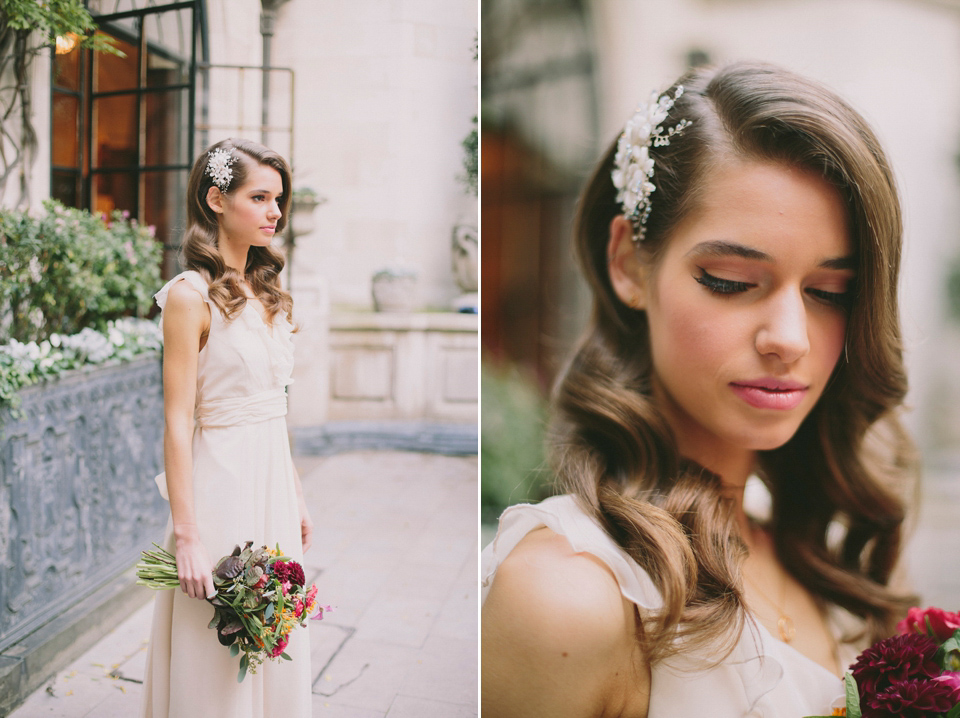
(612, 447)
(200, 250)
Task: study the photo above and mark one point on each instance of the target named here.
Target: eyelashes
(840, 299)
(721, 286)
(717, 285)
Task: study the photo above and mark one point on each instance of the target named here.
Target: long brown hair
(613, 449)
(200, 250)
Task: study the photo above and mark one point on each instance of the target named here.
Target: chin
(768, 438)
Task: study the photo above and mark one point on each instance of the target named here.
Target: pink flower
(279, 648)
(310, 599)
(298, 608)
(953, 681)
(942, 624)
(318, 616)
(286, 587)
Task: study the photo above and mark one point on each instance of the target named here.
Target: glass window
(121, 129)
(66, 129)
(116, 132)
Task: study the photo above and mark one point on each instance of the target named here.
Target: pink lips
(271, 230)
(771, 393)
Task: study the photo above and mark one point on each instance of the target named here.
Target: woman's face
(746, 308)
(251, 211)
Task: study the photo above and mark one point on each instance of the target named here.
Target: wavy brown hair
(200, 250)
(611, 446)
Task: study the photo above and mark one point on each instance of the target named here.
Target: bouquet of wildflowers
(914, 674)
(260, 598)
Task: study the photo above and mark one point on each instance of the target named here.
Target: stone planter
(394, 291)
(77, 505)
(301, 213)
(465, 256)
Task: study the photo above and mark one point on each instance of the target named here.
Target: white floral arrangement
(22, 364)
(633, 167)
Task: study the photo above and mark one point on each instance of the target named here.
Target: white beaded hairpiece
(218, 167)
(633, 166)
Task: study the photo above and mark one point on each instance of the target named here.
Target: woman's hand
(306, 526)
(194, 568)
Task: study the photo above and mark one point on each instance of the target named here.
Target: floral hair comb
(633, 167)
(218, 167)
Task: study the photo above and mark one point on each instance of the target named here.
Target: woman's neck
(233, 256)
(733, 467)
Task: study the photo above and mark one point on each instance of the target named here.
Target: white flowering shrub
(22, 364)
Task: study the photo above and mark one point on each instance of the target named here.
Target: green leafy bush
(68, 269)
(512, 425)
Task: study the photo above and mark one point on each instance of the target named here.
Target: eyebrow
(723, 248)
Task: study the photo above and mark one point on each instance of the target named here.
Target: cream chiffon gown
(243, 484)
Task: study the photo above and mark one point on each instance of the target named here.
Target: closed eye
(839, 299)
(721, 286)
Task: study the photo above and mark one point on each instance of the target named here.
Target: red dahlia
(910, 699)
(895, 659)
(289, 571)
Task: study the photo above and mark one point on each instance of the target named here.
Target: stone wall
(404, 366)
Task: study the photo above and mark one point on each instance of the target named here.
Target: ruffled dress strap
(563, 515)
(191, 277)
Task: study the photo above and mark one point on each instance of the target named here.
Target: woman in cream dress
(742, 243)
(228, 357)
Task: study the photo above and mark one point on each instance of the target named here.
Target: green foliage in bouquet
(68, 269)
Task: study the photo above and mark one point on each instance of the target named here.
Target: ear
(215, 199)
(627, 272)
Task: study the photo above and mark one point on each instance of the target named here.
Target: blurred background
(558, 80)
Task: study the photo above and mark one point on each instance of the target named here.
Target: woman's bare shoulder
(184, 301)
(543, 570)
(557, 632)
(184, 294)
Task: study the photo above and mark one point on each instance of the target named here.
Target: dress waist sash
(239, 410)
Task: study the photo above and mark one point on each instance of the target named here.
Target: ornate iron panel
(77, 497)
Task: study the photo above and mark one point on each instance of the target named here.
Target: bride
(742, 243)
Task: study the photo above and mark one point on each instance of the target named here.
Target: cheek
(690, 331)
(832, 333)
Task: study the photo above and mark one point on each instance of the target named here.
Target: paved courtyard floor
(395, 554)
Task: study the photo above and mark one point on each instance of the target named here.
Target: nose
(274, 211)
(783, 332)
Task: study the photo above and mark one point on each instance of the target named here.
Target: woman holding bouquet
(742, 242)
(228, 357)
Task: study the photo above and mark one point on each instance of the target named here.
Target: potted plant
(394, 289)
